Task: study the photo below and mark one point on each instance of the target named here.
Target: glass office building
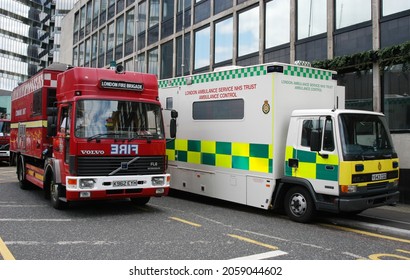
(366, 41)
(29, 38)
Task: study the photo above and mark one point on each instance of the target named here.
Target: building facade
(29, 38)
(366, 41)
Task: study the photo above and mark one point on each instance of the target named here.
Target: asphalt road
(184, 227)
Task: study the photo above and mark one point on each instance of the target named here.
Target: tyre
(299, 205)
(21, 176)
(140, 200)
(56, 193)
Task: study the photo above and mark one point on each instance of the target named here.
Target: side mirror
(315, 141)
(174, 114)
(173, 128)
(173, 124)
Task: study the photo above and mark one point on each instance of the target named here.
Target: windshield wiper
(97, 136)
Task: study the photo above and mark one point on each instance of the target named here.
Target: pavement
(388, 220)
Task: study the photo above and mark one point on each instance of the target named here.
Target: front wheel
(139, 201)
(56, 192)
(299, 205)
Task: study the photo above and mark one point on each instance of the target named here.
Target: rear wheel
(299, 205)
(21, 175)
(140, 200)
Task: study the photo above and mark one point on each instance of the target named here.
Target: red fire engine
(88, 134)
(4, 137)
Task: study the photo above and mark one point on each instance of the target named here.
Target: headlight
(87, 183)
(158, 181)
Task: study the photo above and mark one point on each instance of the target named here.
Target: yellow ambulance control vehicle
(277, 136)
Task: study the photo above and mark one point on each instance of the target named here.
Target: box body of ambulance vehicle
(277, 136)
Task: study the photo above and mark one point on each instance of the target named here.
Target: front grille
(103, 166)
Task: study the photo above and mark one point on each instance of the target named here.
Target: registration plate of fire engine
(125, 183)
(379, 176)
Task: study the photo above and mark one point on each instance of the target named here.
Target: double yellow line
(5, 252)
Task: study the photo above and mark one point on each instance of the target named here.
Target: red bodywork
(37, 105)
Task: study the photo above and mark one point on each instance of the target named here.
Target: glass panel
(350, 12)
(312, 18)
(120, 30)
(248, 32)
(232, 109)
(153, 61)
(142, 17)
(202, 48)
(166, 60)
(394, 6)
(224, 40)
(396, 89)
(277, 34)
(153, 13)
(167, 9)
(111, 38)
(365, 137)
(118, 119)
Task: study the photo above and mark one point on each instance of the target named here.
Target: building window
(312, 18)
(153, 61)
(223, 40)
(87, 51)
(166, 60)
(120, 38)
(396, 88)
(129, 33)
(75, 56)
(359, 89)
(248, 31)
(394, 6)
(81, 55)
(202, 10)
(153, 13)
(111, 37)
(277, 34)
(221, 5)
(183, 65)
(350, 12)
(94, 48)
(202, 48)
(101, 47)
(141, 64)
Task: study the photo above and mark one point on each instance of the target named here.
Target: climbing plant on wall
(397, 54)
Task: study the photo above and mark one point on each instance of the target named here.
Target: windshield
(365, 137)
(118, 119)
(4, 128)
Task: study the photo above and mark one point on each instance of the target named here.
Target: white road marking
(262, 256)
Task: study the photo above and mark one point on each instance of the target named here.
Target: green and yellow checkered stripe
(253, 71)
(244, 156)
(311, 165)
(312, 73)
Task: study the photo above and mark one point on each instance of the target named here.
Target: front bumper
(115, 187)
(359, 204)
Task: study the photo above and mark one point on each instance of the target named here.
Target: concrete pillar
(377, 93)
(292, 31)
(330, 27)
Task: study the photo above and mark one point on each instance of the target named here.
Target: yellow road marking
(368, 233)
(403, 251)
(253, 241)
(5, 252)
(185, 222)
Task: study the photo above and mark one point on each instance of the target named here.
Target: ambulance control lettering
(124, 149)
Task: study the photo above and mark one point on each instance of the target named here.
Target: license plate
(378, 177)
(125, 183)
